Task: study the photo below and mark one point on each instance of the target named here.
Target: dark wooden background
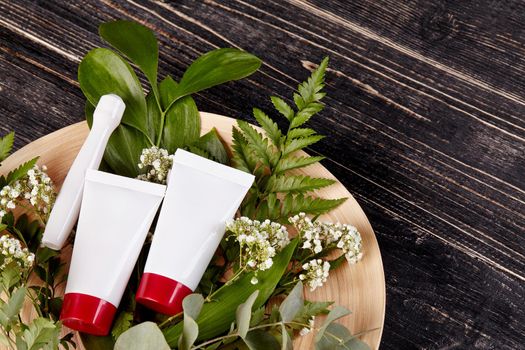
(425, 121)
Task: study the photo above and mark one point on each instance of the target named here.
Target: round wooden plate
(359, 287)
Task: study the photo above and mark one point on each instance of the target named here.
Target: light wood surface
(360, 287)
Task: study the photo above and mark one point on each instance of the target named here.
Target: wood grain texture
(359, 287)
(424, 115)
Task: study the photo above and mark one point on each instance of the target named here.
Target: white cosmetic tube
(201, 197)
(64, 214)
(115, 217)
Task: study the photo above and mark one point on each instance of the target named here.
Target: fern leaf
(283, 107)
(241, 157)
(6, 144)
(293, 205)
(295, 163)
(305, 114)
(21, 171)
(257, 141)
(312, 86)
(300, 132)
(300, 143)
(296, 183)
(269, 126)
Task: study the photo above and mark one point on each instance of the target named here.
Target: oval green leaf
(144, 336)
(136, 42)
(102, 72)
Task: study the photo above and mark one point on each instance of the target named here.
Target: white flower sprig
(36, 187)
(317, 272)
(259, 242)
(11, 250)
(317, 236)
(156, 162)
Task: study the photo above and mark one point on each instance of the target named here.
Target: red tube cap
(161, 294)
(86, 313)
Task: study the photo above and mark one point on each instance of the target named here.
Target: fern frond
(290, 163)
(296, 183)
(300, 143)
(269, 126)
(6, 144)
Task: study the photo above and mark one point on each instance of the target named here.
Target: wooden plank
(425, 118)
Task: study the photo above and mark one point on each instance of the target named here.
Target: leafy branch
(277, 194)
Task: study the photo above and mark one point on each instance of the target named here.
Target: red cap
(161, 294)
(87, 314)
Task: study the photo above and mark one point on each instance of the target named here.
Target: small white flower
(254, 280)
(156, 163)
(316, 273)
(13, 251)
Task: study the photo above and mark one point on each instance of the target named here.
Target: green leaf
(217, 67)
(242, 157)
(283, 107)
(256, 140)
(244, 314)
(6, 144)
(297, 183)
(217, 315)
(93, 342)
(11, 275)
(300, 143)
(293, 303)
(192, 306)
(305, 114)
(295, 163)
(293, 205)
(261, 340)
(338, 337)
(211, 143)
(102, 72)
(12, 307)
(2, 227)
(286, 341)
(182, 122)
(21, 171)
(336, 313)
(257, 316)
(144, 336)
(124, 147)
(310, 89)
(122, 323)
(41, 333)
(270, 127)
(136, 42)
(300, 132)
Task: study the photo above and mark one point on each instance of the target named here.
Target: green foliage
(218, 314)
(244, 314)
(123, 322)
(6, 144)
(144, 336)
(192, 306)
(21, 171)
(167, 117)
(276, 194)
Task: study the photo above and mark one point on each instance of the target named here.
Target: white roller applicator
(64, 214)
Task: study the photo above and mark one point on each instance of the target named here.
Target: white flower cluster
(12, 250)
(318, 235)
(156, 162)
(36, 187)
(259, 242)
(317, 272)
(305, 330)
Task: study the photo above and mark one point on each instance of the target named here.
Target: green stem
(169, 319)
(230, 281)
(161, 128)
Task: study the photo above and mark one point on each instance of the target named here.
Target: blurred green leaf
(213, 147)
(244, 314)
(336, 313)
(102, 72)
(293, 303)
(6, 144)
(122, 323)
(21, 171)
(136, 42)
(42, 333)
(261, 340)
(144, 336)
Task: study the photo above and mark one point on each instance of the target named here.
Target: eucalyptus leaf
(102, 72)
(211, 144)
(244, 313)
(261, 340)
(182, 122)
(192, 305)
(216, 67)
(124, 148)
(336, 313)
(286, 341)
(217, 315)
(190, 332)
(293, 303)
(144, 336)
(136, 42)
(338, 337)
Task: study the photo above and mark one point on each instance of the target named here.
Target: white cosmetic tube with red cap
(201, 197)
